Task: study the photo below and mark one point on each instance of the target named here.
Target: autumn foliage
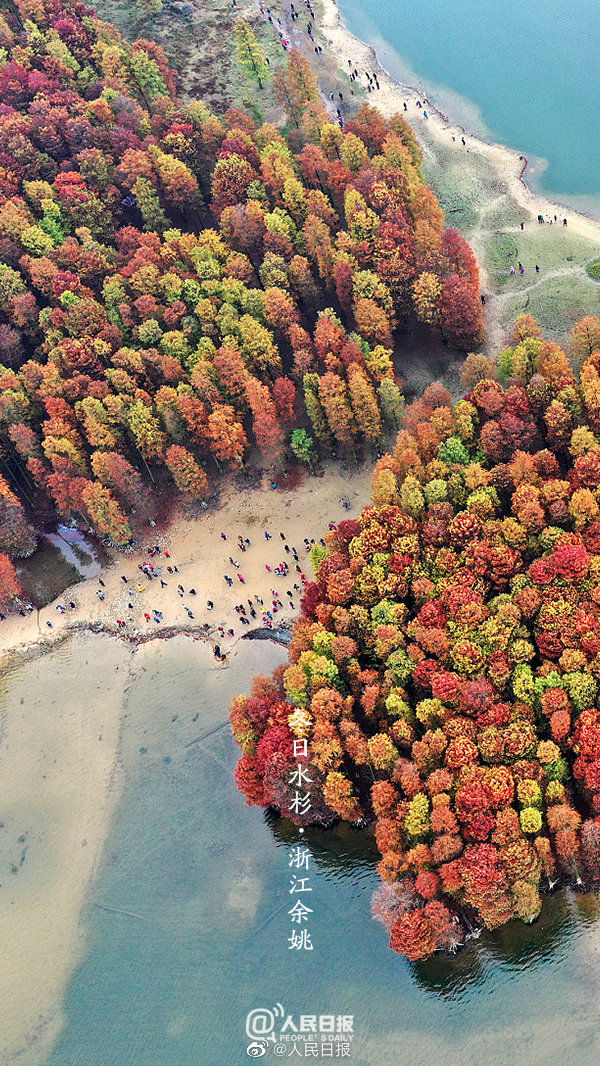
(445, 669)
(177, 288)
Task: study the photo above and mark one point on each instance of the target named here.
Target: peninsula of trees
(445, 668)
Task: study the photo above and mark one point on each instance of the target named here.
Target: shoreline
(34, 649)
(61, 770)
(60, 781)
(340, 35)
(195, 546)
(483, 189)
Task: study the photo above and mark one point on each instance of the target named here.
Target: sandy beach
(58, 785)
(60, 730)
(60, 722)
(483, 188)
(196, 548)
(510, 167)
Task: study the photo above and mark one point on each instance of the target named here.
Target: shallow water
(187, 925)
(526, 73)
(62, 558)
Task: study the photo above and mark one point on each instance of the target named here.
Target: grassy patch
(199, 44)
(553, 249)
(556, 304)
(593, 270)
(508, 214)
(502, 252)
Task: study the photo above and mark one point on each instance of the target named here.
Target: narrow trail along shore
(481, 185)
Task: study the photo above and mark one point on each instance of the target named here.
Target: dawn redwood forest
(177, 288)
(185, 293)
(445, 667)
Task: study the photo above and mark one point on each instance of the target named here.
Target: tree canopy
(170, 279)
(445, 667)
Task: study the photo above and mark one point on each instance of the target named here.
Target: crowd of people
(127, 597)
(367, 79)
(162, 570)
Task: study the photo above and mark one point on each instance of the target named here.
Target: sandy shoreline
(59, 730)
(439, 126)
(483, 189)
(196, 548)
(58, 785)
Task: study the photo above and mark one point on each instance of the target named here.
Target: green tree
(301, 444)
(249, 53)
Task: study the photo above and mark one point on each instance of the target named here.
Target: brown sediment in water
(58, 785)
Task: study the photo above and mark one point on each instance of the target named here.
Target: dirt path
(575, 271)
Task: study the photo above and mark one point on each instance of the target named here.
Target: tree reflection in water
(345, 853)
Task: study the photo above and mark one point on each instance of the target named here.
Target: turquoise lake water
(526, 73)
(186, 923)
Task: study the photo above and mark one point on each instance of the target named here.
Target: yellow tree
(187, 474)
(426, 294)
(249, 53)
(585, 338)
